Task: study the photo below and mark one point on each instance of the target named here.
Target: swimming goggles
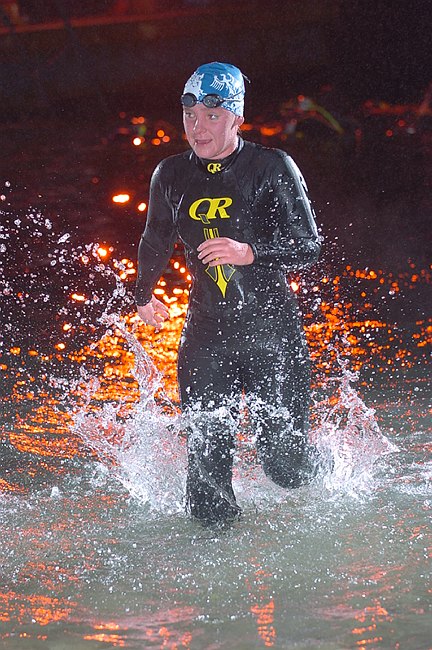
(210, 101)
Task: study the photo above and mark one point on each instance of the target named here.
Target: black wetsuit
(243, 333)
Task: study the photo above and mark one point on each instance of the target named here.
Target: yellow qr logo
(214, 168)
(208, 208)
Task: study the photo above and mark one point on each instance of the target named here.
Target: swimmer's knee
(287, 478)
(290, 471)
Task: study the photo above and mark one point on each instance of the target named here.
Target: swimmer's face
(211, 132)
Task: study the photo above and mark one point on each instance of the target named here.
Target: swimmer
(243, 215)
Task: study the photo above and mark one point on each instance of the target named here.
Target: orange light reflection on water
(163, 636)
(262, 604)
(6, 486)
(370, 618)
(114, 639)
(44, 431)
(334, 328)
(37, 608)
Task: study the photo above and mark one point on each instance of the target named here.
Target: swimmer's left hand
(222, 250)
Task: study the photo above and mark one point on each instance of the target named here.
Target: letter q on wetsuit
(243, 334)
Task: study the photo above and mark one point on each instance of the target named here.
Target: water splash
(67, 285)
(144, 451)
(348, 437)
(53, 284)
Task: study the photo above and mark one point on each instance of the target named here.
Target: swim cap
(221, 79)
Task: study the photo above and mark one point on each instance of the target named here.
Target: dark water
(96, 550)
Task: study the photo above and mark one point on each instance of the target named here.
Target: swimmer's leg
(278, 397)
(207, 382)
(210, 497)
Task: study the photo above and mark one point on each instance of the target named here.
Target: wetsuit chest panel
(213, 206)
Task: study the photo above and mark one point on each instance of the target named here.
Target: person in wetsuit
(242, 212)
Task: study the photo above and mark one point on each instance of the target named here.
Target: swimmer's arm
(157, 241)
(152, 261)
(292, 241)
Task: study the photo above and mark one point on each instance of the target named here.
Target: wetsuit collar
(217, 166)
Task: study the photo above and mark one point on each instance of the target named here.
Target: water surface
(96, 550)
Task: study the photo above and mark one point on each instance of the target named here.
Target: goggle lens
(210, 101)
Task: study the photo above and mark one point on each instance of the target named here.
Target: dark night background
(366, 48)
(384, 49)
(373, 201)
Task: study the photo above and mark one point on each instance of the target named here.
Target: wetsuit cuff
(142, 299)
(254, 252)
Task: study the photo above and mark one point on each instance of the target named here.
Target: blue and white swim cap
(221, 79)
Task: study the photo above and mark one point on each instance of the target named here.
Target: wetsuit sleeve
(157, 241)
(290, 238)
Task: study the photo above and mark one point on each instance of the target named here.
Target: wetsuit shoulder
(270, 167)
(264, 156)
(172, 166)
(169, 176)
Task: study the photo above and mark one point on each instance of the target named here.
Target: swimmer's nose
(199, 126)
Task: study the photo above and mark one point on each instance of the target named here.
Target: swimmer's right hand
(153, 313)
